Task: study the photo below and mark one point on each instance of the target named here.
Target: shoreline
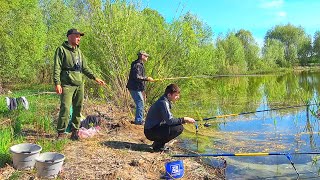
(119, 151)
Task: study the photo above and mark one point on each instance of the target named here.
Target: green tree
(250, 47)
(58, 17)
(316, 46)
(274, 54)
(293, 39)
(117, 31)
(196, 48)
(305, 50)
(221, 56)
(22, 40)
(235, 54)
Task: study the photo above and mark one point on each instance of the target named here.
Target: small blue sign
(174, 169)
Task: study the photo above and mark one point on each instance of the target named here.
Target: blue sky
(257, 16)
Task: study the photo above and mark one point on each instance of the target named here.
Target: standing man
(161, 126)
(136, 84)
(69, 67)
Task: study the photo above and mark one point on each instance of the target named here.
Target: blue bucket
(174, 169)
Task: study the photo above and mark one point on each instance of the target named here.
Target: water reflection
(285, 130)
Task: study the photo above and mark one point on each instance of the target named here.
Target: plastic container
(174, 169)
(24, 155)
(49, 164)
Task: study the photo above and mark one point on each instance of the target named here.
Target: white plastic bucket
(23, 155)
(49, 164)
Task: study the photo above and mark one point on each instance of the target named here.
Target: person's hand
(189, 120)
(150, 79)
(100, 81)
(58, 89)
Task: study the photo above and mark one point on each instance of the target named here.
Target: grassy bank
(120, 151)
(37, 124)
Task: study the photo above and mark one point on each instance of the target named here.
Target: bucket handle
(26, 152)
(49, 161)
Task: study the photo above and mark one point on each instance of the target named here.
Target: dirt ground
(120, 151)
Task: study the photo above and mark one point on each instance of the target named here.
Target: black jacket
(159, 114)
(137, 76)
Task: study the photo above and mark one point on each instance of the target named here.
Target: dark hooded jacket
(159, 114)
(137, 78)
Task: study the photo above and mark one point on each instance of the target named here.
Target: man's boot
(75, 135)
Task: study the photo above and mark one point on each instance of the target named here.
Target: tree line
(116, 30)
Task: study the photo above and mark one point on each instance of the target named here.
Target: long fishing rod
(252, 112)
(175, 78)
(243, 154)
(203, 76)
(288, 155)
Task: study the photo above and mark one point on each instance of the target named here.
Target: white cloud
(282, 14)
(272, 4)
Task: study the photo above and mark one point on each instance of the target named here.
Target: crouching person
(160, 126)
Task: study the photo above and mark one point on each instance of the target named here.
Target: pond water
(286, 122)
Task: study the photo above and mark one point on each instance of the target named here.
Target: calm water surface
(289, 129)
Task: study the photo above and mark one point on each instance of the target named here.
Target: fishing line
(206, 124)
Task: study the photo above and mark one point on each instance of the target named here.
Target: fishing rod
(206, 124)
(288, 155)
(244, 154)
(175, 78)
(252, 112)
(203, 76)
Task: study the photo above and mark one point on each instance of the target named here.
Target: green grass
(15, 175)
(52, 145)
(38, 121)
(5, 143)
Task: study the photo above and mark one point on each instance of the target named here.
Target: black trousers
(163, 134)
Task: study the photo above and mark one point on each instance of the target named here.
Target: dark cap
(74, 31)
(143, 53)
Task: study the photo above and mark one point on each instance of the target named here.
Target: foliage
(58, 16)
(22, 39)
(316, 46)
(273, 54)
(296, 42)
(235, 54)
(251, 48)
(31, 30)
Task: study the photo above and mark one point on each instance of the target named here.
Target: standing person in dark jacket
(136, 84)
(69, 67)
(161, 126)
